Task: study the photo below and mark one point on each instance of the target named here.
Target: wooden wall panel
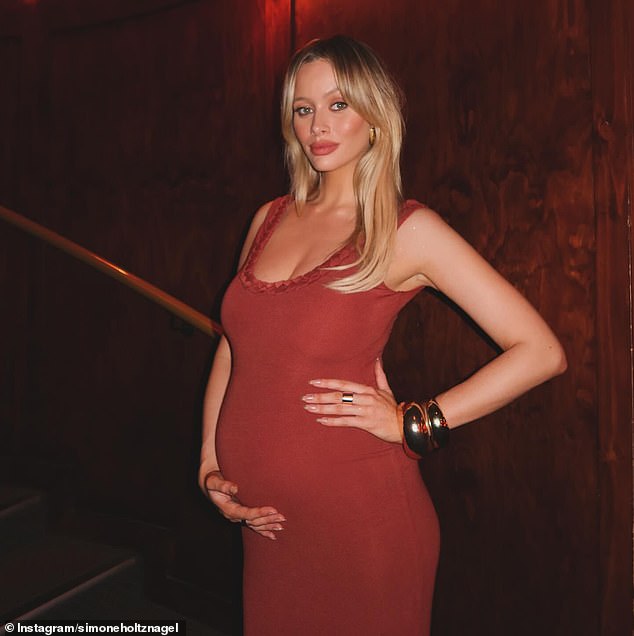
(156, 115)
(499, 117)
(613, 117)
(10, 48)
(16, 256)
(13, 247)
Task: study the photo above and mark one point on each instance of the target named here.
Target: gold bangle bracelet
(437, 424)
(424, 428)
(416, 432)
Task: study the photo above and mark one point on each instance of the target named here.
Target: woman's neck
(335, 190)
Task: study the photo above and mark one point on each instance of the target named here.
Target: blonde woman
(303, 441)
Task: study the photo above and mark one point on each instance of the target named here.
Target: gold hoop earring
(372, 135)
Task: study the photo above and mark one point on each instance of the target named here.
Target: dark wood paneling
(612, 85)
(16, 251)
(16, 255)
(155, 132)
(10, 48)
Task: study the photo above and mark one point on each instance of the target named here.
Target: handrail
(175, 306)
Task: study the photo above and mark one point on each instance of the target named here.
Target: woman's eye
(339, 105)
(302, 110)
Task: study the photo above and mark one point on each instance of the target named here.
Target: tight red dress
(359, 551)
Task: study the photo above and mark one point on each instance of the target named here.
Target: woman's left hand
(372, 409)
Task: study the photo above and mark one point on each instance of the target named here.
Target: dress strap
(407, 208)
(265, 230)
(275, 211)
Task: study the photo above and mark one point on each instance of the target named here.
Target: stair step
(51, 576)
(51, 569)
(12, 495)
(112, 600)
(22, 516)
(116, 594)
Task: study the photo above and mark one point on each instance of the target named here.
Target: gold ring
(347, 398)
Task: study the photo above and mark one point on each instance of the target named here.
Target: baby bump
(315, 472)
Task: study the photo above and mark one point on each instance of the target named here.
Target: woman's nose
(319, 125)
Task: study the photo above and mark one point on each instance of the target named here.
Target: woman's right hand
(265, 520)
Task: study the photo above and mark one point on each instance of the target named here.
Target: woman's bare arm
(221, 372)
(531, 351)
(429, 252)
(214, 394)
(264, 520)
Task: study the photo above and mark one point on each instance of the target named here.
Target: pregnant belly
(284, 458)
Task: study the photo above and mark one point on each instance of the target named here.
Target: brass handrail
(175, 306)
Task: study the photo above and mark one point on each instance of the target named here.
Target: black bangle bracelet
(437, 424)
(417, 440)
(424, 428)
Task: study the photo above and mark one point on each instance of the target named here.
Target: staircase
(49, 574)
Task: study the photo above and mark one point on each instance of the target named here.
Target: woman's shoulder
(414, 212)
(424, 238)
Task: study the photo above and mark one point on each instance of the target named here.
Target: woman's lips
(322, 148)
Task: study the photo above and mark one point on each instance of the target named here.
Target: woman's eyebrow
(335, 90)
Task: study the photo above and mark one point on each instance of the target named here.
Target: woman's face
(332, 134)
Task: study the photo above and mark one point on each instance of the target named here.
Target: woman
(307, 451)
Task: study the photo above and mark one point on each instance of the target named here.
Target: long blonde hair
(365, 84)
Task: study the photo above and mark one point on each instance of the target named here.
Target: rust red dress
(359, 551)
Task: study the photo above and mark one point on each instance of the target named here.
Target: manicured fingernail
(315, 382)
(278, 528)
(310, 407)
(310, 397)
(322, 420)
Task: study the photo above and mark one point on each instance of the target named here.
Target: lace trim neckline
(278, 207)
(251, 281)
